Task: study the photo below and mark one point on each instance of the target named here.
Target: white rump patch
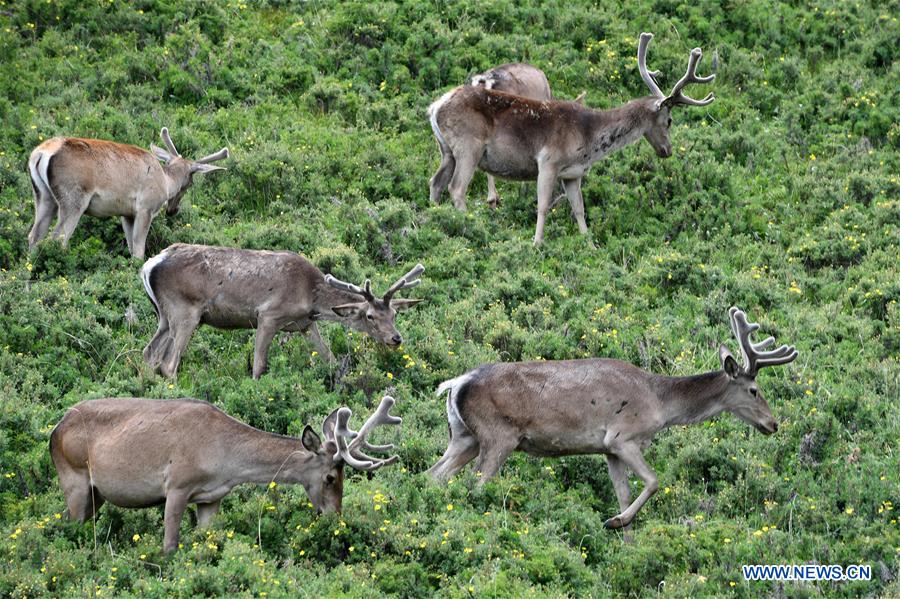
(148, 267)
(38, 164)
(433, 114)
(453, 386)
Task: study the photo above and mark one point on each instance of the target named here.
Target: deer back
(232, 286)
(107, 169)
(558, 407)
(519, 132)
(517, 78)
(132, 446)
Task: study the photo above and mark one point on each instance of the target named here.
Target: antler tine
(742, 330)
(341, 434)
(407, 281)
(648, 76)
(345, 286)
(352, 453)
(754, 357)
(785, 354)
(691, 76)
(164, 134)
(220, 155)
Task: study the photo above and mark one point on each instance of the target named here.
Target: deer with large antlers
(230, 288)
(73, 176)
(517, 138)
(568, 407)
(520, 79)
(138, 453)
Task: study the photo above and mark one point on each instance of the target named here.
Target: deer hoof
(614, 522)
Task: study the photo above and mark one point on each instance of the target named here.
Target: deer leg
(44, 212)
(82, 499)
(312, 333)
(576, 202)
(71, 207)
(139, 233)
(493, 454)
(545, 181)
(183, 328)
(442, 176)
(176, 502)
(206, 512)
(128, 229)
(619, 476)
(462, 176)
(493, 198)
(265, 332)
(631, 456)
(462, 449)
(154, 351)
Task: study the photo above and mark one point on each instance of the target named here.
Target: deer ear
(404, 304)
(328, 425)
(161, 154)
(198, 167)
(310, 440)
(729, 364)
(346, 310)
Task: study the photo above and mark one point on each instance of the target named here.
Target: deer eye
(670, 122)
(753, 391)
(369, 316)
(329, 479)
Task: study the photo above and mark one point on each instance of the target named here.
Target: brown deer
(230, 288)
(569, 407)
(519, 79)
(138, 453)
(517, 138)
(73, 176)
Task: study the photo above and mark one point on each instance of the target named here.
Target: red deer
(519, 79)
(230, 288)
(521, 139)
(568, 407)
(73, 176)
(138, 453)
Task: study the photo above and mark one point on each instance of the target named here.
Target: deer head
(181, 170)
(323, 474)
(743, 398)
(375, 316)
(319, 474)
(658, 133)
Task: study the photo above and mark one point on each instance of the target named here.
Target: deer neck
(174, 179)
(263, 457)
(691, 399)
(618, 127)
(325, 297)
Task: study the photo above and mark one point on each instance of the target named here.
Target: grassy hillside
(781, 198)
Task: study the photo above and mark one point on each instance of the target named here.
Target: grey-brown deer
(138, 453)
(517, 78)
(230, 288)
(517, 138)
(568, 407)
(73, 176)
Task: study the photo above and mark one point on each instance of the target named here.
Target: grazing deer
(568, 407)
(138, 453)
(517, 138)
(519, 79)
(230, 288)
(73, 176)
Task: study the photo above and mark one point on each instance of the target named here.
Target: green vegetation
(781, 198)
